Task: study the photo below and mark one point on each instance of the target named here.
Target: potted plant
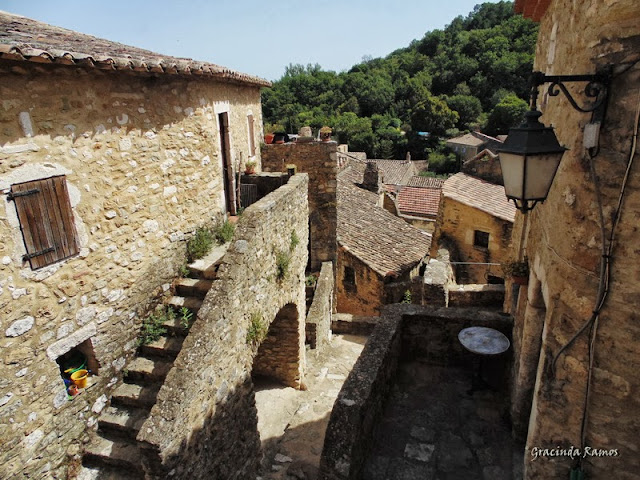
(325, 133)
(269, 132)
(250, 168)
(518, 270)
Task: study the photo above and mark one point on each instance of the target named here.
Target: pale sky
(253, 36)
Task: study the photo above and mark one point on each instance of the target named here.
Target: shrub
(152, 326)
(257, 331)
(199, 244)
(224, 232)
(282, 265)
(295, 241)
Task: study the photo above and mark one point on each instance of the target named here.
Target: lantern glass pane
(512, 173)
(540, 172)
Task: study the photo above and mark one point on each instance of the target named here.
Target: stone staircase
(113, 452)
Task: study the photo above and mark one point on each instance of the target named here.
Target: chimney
(372, 178)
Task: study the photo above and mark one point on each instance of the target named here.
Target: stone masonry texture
(143, 170)
(564, 248)
(204, 423)
(319, 161)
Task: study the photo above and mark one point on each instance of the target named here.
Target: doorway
(227, 167)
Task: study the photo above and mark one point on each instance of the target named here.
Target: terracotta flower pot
(268, 138)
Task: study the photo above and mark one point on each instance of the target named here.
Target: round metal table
(484, 342)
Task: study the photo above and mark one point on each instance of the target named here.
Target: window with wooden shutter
(252, 140)
(46, 220)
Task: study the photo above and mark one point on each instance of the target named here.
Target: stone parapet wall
(476, 295)
(319, 161)
(359, 404)
(321, 309)
(143, 171)
(404, 332)
(204, 424)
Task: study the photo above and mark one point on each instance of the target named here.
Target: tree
(506, 114)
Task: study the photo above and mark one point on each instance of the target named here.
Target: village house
(474, 222)
(470, 144)
(485, 165)
(418, 202)
(110, 157)
(377, 251)
(576, 344)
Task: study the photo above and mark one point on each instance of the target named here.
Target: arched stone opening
(279, 356)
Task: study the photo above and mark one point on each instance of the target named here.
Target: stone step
(163, 347)
(108, 472)
(207, 266)
(140, 396)
(122, 420)
(193, 287)
(191, 303)
(118, 452)
(143, 369)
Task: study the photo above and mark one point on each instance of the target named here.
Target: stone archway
(280, 355)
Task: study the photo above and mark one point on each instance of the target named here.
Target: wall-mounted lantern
(531, 154)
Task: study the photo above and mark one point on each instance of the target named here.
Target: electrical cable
(605, 273)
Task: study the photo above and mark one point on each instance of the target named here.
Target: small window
(349, 279)
(46, 220)
(252, 140)
(481, 239)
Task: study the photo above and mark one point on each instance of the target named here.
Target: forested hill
(473, 74)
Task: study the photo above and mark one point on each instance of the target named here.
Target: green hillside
(473, 74)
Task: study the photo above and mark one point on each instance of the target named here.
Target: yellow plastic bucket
(79, 377)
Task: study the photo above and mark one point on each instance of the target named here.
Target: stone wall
(143, 170)
(321, 309)
(204, 424)
(564, 248)
(476, 295)
(366, 295)
(360, 403)
(456, 225)
(319, 160)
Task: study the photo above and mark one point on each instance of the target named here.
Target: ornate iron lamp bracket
(597, 88)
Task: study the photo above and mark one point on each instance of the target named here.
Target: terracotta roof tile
(25, 39)
(425, 182)
(418, 201)
(378, 238)
(479, 194)
(395, 172)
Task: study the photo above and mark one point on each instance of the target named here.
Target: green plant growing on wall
(295, 241)
(311, 280)
(199, 244)
(186, 317)
(258, 328)
(153, 326)
(516, 268)
(184, 270)
(224, 232)
(406, 297)
(283, 260)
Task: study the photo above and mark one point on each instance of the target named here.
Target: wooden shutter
(46, 220)
(252, 140)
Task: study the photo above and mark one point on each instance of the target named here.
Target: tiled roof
(395, 172)
(479, 194)
(467, 139)
(24, 39)
(418, 201)
(425, 182)
(378, 238)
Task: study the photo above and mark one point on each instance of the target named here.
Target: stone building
(590, 400)
(110, 156)
(474, 222)
(378, 253)
(418, 202)
(485, 165)
(470, 144)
